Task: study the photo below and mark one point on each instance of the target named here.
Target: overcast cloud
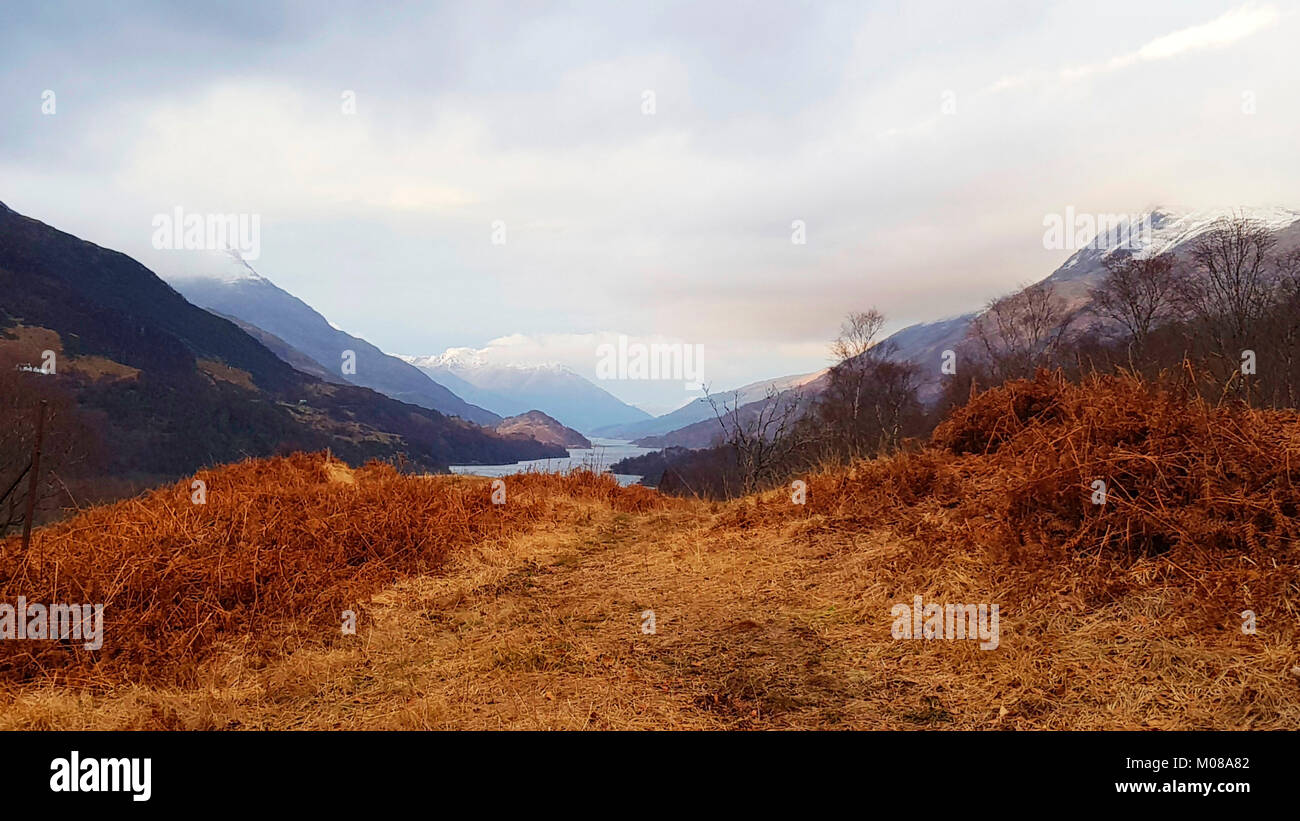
(671, 226)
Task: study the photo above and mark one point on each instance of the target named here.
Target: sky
(649, 166)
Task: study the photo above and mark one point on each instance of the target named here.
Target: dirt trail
(550, 632)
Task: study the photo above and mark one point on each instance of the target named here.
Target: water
(602, 454)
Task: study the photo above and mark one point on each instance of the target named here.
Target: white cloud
(1223, 31)
(676, 225)
(1232, 27)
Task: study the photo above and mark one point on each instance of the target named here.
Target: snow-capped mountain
(224, 283)
(1164, 230)
(1171, 231)
(510, 390)
(173, 388)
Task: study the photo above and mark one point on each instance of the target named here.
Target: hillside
(299, 360)
(703, 434)
(1172, 231)
(227, 285)
(699, 410)
(169, 387)
(581, 605)
(537, 425)
(709, 431)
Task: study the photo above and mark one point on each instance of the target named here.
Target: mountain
(1172, 231)
(539, 426)
(225, 283)
(299, 360)
(699, 409)
(170, 387)
(708, 432)
(514, 389)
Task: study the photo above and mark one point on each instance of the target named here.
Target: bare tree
(1230, 294)
(855, 353)
(895, 407)
(870, 401)
(66, 440)
(858, 335)
(1023, 331)
(1281, 330)
(765, 435)
(1139, 295)
(1234, 288)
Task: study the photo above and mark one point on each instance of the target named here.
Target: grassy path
(781, 627)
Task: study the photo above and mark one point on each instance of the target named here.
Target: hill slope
(176, 387)
(923, 343)
(766, 614)
(228, 285)
(699, 410)
(1173, 231)
(539, 426)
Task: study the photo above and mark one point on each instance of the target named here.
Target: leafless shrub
(870, 400)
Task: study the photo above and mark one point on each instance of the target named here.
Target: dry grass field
(767, 614)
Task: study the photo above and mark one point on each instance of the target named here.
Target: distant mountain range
(253, 369)
(514, 389)
(224, 283)
(171, 387)
(457, 383)
(700, 410)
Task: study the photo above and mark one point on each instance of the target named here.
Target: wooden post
(33, 481)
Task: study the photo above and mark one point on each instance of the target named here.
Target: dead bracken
(280, 548)
(1126, 614)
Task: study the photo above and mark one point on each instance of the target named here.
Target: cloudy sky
(648, 161)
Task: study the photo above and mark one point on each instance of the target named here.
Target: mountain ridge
(510, 390)
(257, 300)
(537, 425)
(923, 343)
(172, 387)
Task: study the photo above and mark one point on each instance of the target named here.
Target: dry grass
(774, 615)
(25, 345)
(278, 549)
(225, 373)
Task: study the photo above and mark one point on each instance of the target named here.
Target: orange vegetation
(1201, 501)
(278, 550)
(768, 614)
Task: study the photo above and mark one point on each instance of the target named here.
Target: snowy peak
(227, 266)
(1156, 232)
(510, 389)
(457, 358)
(464, 360)
(1173, 229)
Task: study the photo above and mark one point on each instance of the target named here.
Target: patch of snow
(226, 266)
